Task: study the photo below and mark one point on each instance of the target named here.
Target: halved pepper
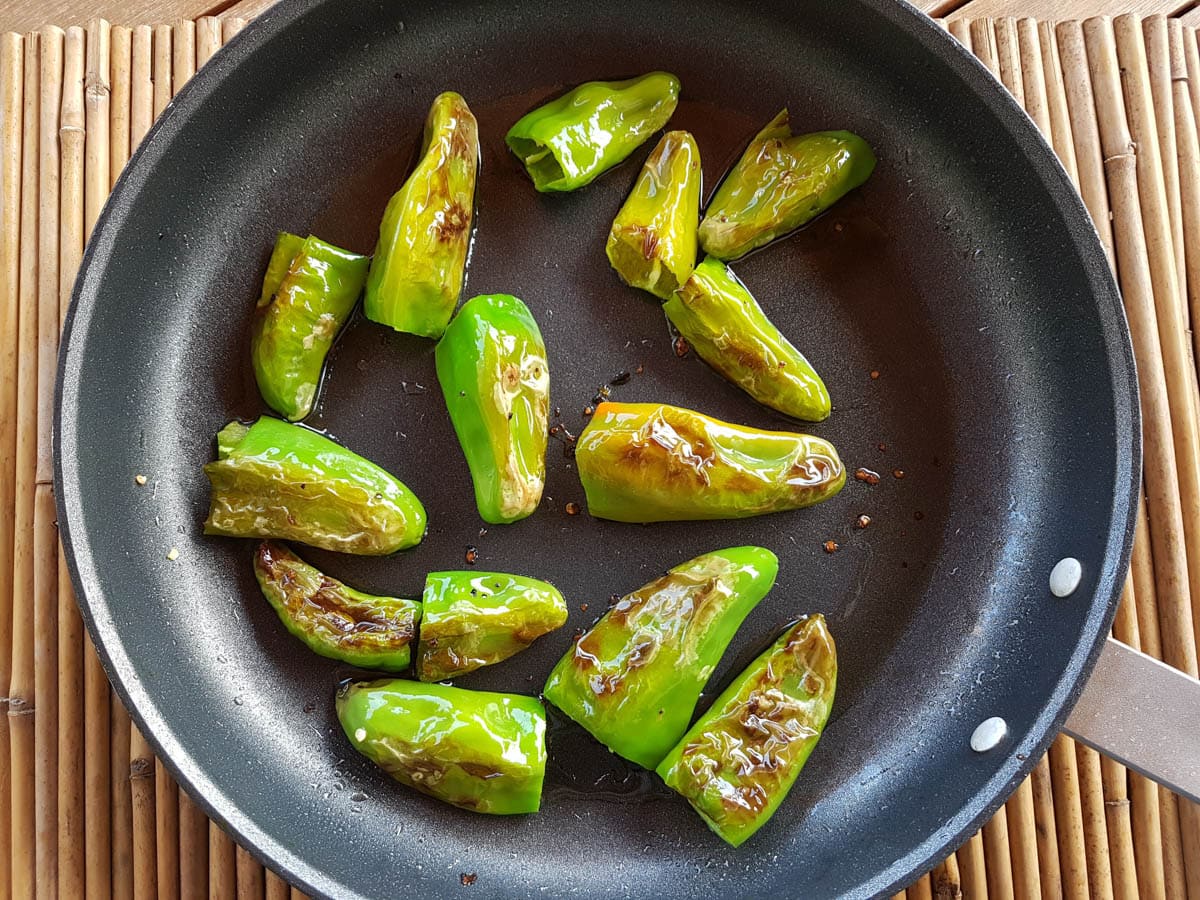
(421, 259)
(277, 480)
(333, 619)
(650, 462)
(308, 293)
(781, 182)
(570, 141)
(634, 679)
(479, 751)
(738, 762)
(724, 324)
(474, 619)
(491, 364)
(652, 243)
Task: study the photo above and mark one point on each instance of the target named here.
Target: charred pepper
(738, 762)
(652, 244)
(277, 480)
(491, 364)
(634, 679)
(568, 142)
(479, 751)
(650, 462)
(421, 258)
(781, 182)
(724, 324)
(474, 619)
(335, 620)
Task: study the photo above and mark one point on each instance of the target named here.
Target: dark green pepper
(421, 258)
(738, 762)
(479, 751)
(491, 364)
(652, 244)
(724, 324)
(474, 619)
(650, 462)
(634, 679)
(335, 620)
(568, 142)
(308, 293)
(276, 480)
(781, 182)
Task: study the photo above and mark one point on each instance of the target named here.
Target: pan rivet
(989, 733)
(1065, 577)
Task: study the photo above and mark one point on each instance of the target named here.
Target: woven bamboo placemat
(85, 809)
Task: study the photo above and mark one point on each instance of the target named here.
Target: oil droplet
(830, 546)
(867, 476)
(863, 521)
(572, 508)
(239, 701)
(472, 556)
(681, 347)
(897, 473)
(874, 374)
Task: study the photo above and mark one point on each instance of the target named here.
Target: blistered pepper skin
(569, 142)
(738, 762)
(723, 323)
(634, 679)
(650, 462)
(652, 243)
(333, 619)
(277, 480)
(475, 619)
(480, 751)
(491, 364)
(781, 182)
(420, 261)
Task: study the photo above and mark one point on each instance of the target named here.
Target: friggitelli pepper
(491, 364)
(277, 480)
(333, 619)
(634, 679)
(568, 142)
(479, 751)
(421, 258)
(474, 619)
(724, 324)
(650, 462)
(738, 762)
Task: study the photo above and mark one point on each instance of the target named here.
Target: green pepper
(568, 142)
(479, 751)
(634, 679)
(650, 462)
(781, 182)
(652, 244)
(277, 480)
(335, 620)
(308, 294)
(421, 258)
(738, 762)
(474, 619)
(491, 364)
(724, 324)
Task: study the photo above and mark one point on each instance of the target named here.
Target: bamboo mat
(85, 809)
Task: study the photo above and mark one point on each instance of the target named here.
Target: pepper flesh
(491, 364)
(634, 679)
(723, 323)
(308, 293)
(570, 141)
(781, 182)
(475, 619)
(277, 480)
(421, 258)
(738, 762)
(479, 751)
(652, 244)
(650, 462)
(333, 619)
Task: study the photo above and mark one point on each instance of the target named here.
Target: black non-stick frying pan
(966, 273)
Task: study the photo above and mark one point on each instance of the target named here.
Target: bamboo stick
(1022, 839)
(1047, 832)
(1068, 816)
(250, 881)
(1033, 76)
(947, 885)
(1056, 98)
(183, 53)
(193, 849)
(1119, 828)
(983, 44)
(1095, 830)
(141, 85)
(1008, 56)
(921, 889)
(999, 861)
(961, 31)
(1185, 85)
(1142, 568)
(166, 818)
(222, 865)
(298, 894)
(122, 62)
(277, 888)
(162, 66)
(231, 26)
(1174, 875)
(208, 38)
(141, 789)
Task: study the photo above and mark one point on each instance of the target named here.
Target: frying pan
(966, 273)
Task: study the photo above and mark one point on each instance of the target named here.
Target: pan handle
(1144, 714)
